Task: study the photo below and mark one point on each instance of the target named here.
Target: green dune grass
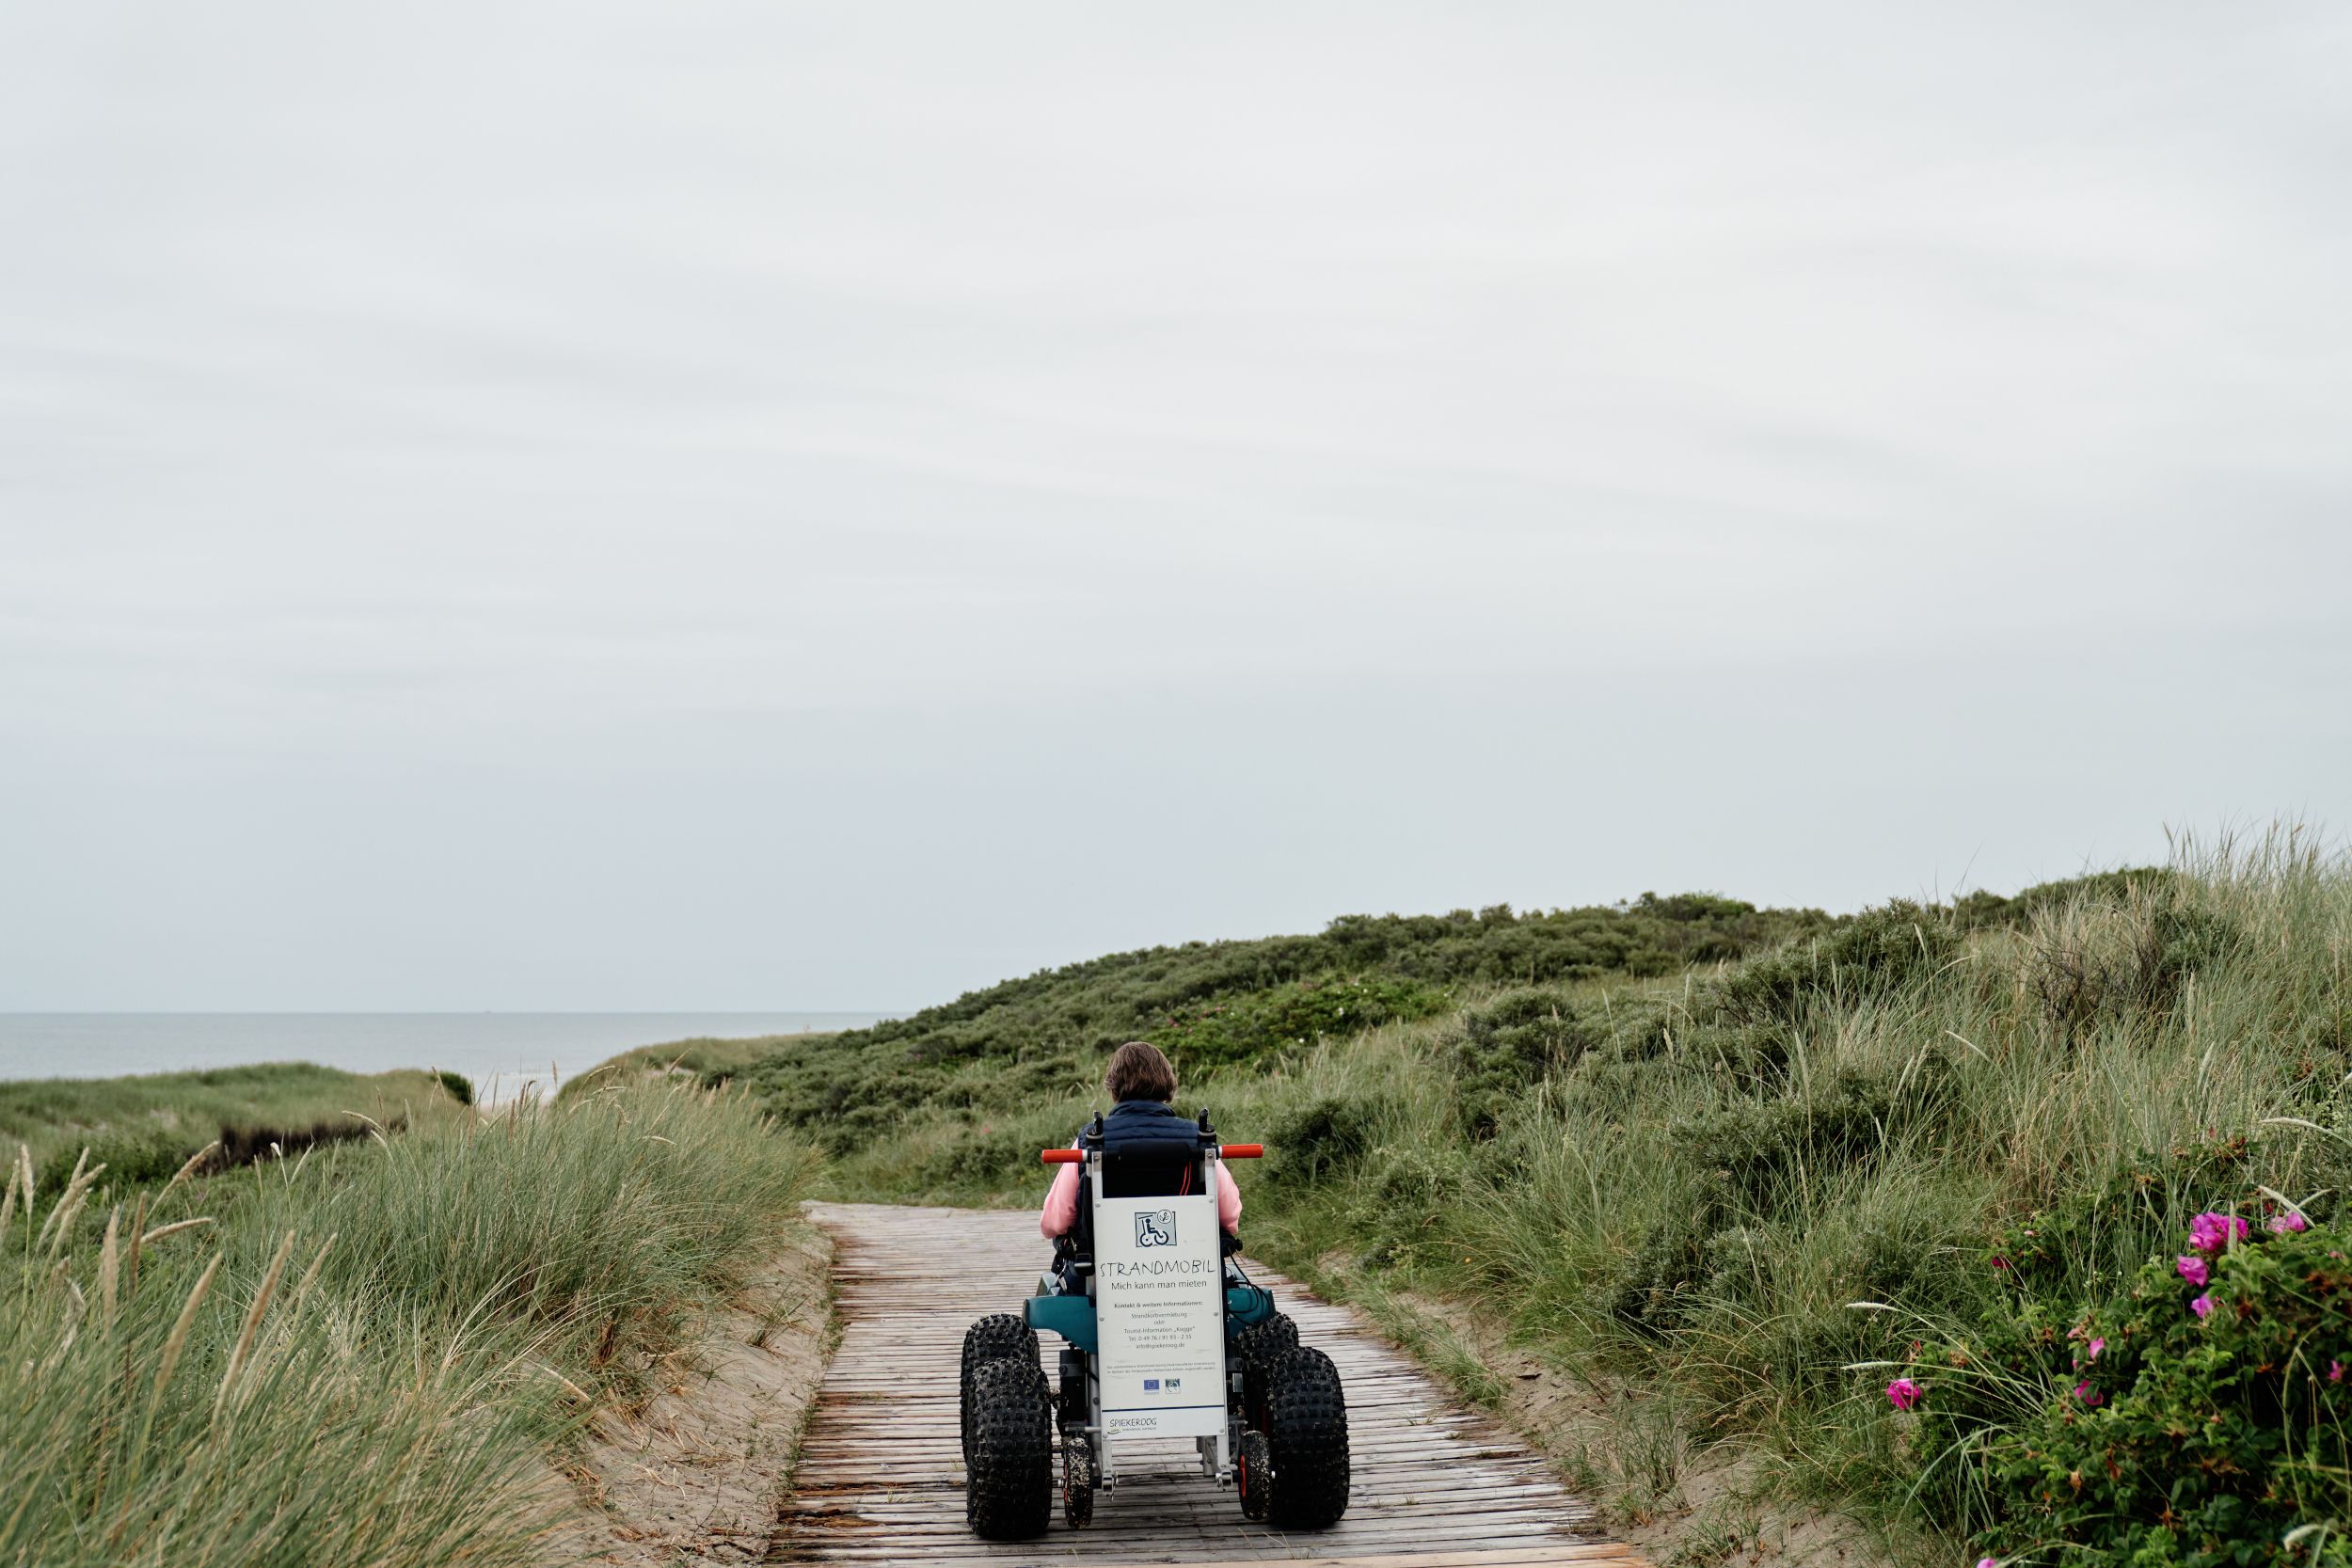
(711, 1062)
(374, 1354)
(145, 1127)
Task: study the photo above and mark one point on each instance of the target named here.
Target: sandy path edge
(696, 1477)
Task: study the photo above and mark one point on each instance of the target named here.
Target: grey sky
(535, 505)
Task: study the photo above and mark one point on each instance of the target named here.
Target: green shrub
(1229, 1004)
(1980, 909)
(2096, 1236)
(1656, 1286)
(1871, 955)
(2126, 963)
(1507, 1046)
(980, 1159)
(2183, 1424)
(1755, 1145)
(460, 1088)
(1248, 1025)
(1407, 1197)
(1323, 1138)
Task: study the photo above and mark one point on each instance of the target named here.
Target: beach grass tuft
(395, 1404)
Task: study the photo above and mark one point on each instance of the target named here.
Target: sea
(502, 1054)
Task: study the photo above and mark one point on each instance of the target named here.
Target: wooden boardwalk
(880, 1477)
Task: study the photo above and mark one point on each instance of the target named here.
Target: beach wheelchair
(1163, 1336)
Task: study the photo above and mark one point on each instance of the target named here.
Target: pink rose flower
(2335, 1371)
(2211, 1232)
(2289, 1223)
(2088, 1395)
(2192, 1268)
(2201, 1306)
(1902, 1393)
(2096, 1346)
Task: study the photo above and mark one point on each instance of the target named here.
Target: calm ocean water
(513, 1047)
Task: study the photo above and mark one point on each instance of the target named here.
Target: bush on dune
(1253, 1025)
(713, 1063)
(1240, 1004)
(2194, 1419)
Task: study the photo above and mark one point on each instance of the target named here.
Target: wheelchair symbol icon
(1155, 1227)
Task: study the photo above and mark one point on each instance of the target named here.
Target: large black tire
(1008, 1481)
(1264, 1338)
(1000, 1336)
(1306, 1430)
(1249, 1352)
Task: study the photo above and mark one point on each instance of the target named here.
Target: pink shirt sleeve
(1061, 1203)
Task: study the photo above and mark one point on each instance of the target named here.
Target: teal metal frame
(1071, 1316)
(1245, 1304)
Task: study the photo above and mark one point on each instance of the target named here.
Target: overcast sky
(790, 506)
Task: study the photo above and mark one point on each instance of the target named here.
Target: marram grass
(367, 1357)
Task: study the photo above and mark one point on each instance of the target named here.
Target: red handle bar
(1077, 1156)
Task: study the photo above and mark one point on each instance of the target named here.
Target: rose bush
(2195, 1420)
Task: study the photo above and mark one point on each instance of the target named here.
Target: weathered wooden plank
(1531, 1557)
(881, 1479)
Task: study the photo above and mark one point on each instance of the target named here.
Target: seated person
(1141, 1082)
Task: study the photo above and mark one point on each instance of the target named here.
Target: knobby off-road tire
(1077, 1482)
(1306, 1430)
(1000, 1336)
(1249, 1353)
(1260, 1341)
(1256, 1464)
(1008, 1477)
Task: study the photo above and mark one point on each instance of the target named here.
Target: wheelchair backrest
(1159, 1167)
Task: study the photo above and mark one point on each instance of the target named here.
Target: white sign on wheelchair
(1159, 1309)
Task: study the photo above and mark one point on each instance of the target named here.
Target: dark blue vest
(1145, 1118)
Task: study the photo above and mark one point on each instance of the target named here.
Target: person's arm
(1228, 1200)
(1061, 1204)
